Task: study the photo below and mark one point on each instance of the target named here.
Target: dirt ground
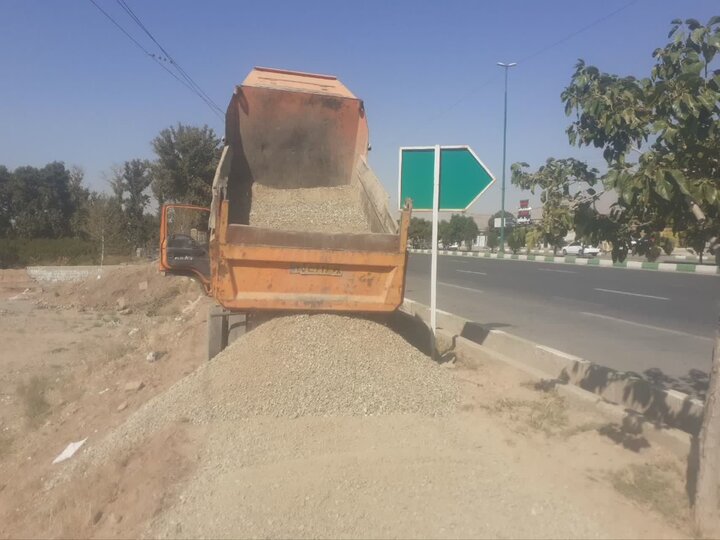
(510, 460)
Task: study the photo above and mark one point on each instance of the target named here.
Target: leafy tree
(37, 202)
(5, 201)
(463, 229)
(516, 239)
(105, 224)
(533, 236)
(79, 196)
(670, 121)
(445, 233)
(566, 190)
(493, 240)
(187, 157)
(420, 232)
(130, 188)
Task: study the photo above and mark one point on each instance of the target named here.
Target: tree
(493, 240)
(79, 196)
(670, 121)
(105, 224)
(516, 239)
(463, 229)
(566, 190)
(130, 190)
(5, 211)
(445, 233)
(420, 232)
(37, 202)
(533, 236)
(187, 157)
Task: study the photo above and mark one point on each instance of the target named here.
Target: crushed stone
(321, 209)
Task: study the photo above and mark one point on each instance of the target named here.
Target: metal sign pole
(435, 220)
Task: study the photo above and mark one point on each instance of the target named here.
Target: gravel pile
(314, 365)
(321, 209)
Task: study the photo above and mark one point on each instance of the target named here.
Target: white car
(580, 249)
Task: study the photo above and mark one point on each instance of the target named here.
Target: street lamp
(502, 197)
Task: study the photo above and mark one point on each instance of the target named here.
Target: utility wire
(538, 53)
(154, 57)
(579, 31)
(139, 46)
(177, 66)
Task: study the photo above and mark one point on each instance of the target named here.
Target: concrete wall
(55, 274)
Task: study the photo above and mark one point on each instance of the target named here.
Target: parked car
(580, 249)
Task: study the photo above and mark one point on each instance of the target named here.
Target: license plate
(315, 271)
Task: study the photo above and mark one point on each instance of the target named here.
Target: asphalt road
(653, 323)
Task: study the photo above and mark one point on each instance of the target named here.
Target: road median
(686, 268)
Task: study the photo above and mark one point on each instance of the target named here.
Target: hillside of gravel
(295, 366)
(321, 209)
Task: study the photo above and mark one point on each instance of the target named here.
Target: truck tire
(217, 331)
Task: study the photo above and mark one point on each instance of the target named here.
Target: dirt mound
(139, 287)
(322, 209)
(300, 365)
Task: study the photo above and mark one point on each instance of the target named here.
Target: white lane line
(632, 294)
(558, 271)
(444, 283)
(471, 272)
(648, 326)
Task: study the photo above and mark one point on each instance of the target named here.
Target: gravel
(295, 366)
(321, 209)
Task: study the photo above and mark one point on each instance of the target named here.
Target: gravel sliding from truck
(319, 209)
(299, 365)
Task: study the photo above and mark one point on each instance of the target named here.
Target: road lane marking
(632, 294)
(648, 326)
(558, 271)
(471, 272)
(446, 284)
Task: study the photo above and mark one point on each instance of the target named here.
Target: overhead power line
(177, 66)
(538, 53)
(158, 61)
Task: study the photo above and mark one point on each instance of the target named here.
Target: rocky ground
(309, 426)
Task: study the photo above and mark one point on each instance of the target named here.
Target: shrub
(18, 252)
(667, 244)
(652, 253)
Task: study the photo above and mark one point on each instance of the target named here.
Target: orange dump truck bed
(288, 130)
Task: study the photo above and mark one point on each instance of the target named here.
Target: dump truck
(288, 130)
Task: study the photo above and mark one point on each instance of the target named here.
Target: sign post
(440, 178)
(435, 226)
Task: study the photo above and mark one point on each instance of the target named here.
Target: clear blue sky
(73, 88)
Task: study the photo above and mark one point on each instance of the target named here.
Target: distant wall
(56, 274)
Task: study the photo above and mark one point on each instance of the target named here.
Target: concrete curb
(667, 417)
(686, 268)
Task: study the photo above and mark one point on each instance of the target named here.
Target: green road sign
(463, 177)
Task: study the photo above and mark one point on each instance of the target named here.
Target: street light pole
(502, 197)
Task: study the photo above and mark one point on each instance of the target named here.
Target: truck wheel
(217, 331)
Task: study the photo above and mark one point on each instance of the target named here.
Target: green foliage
(565, 192)
(670, 119)
(420, 232)
(493, 240)
(130, 187)
(463, 229)
(533, 237)
(187, 157)
(19, 252)
(516, 239)
(667, 244)
(36, 202)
